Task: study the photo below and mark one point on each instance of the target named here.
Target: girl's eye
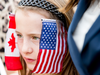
(35, 38)
(19, 36)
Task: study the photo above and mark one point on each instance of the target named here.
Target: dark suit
(88, 61)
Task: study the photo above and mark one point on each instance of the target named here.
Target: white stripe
(49, 62)
(8, 48)
(44, 61)
(40, 61)
(59, 52)
(55, 53)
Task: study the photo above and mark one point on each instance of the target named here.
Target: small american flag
(53, 47)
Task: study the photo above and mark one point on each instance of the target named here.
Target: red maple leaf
(11, 42)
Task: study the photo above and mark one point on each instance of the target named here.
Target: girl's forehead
(28, 22)
(30, 11)
(28, 15)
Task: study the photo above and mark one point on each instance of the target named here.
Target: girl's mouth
(30, 60)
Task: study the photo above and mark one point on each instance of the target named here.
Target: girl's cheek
(19, 40)
(19, 43)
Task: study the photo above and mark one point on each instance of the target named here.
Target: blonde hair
(68, 67)
(71, 4)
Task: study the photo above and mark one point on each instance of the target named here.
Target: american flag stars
(48, 35)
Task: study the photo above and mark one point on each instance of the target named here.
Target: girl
(28, 29)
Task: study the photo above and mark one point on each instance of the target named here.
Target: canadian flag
(12, 55)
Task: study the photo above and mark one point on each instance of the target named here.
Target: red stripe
(43, 59)
(12, 23)
(65, 47)
(66, 40)
(13, 63)
(38, 60)
(61, 66)
(62, 49)
(47, 60)
(52, 58)
(57, 53)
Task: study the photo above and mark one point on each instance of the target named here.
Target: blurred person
(83, 36)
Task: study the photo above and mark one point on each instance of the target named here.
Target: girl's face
(28, 29)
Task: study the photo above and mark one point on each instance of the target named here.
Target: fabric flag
(12, 56)
(53, 47)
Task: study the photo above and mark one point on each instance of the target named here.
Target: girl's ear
(12, 55)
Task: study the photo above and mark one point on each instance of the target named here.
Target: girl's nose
(26, 47)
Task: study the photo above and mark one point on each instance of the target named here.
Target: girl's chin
(30, 66)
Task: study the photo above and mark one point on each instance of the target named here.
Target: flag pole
(2, 69)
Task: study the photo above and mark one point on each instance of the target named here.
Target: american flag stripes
(53, 47)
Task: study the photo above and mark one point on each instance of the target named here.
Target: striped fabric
(53, 47)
